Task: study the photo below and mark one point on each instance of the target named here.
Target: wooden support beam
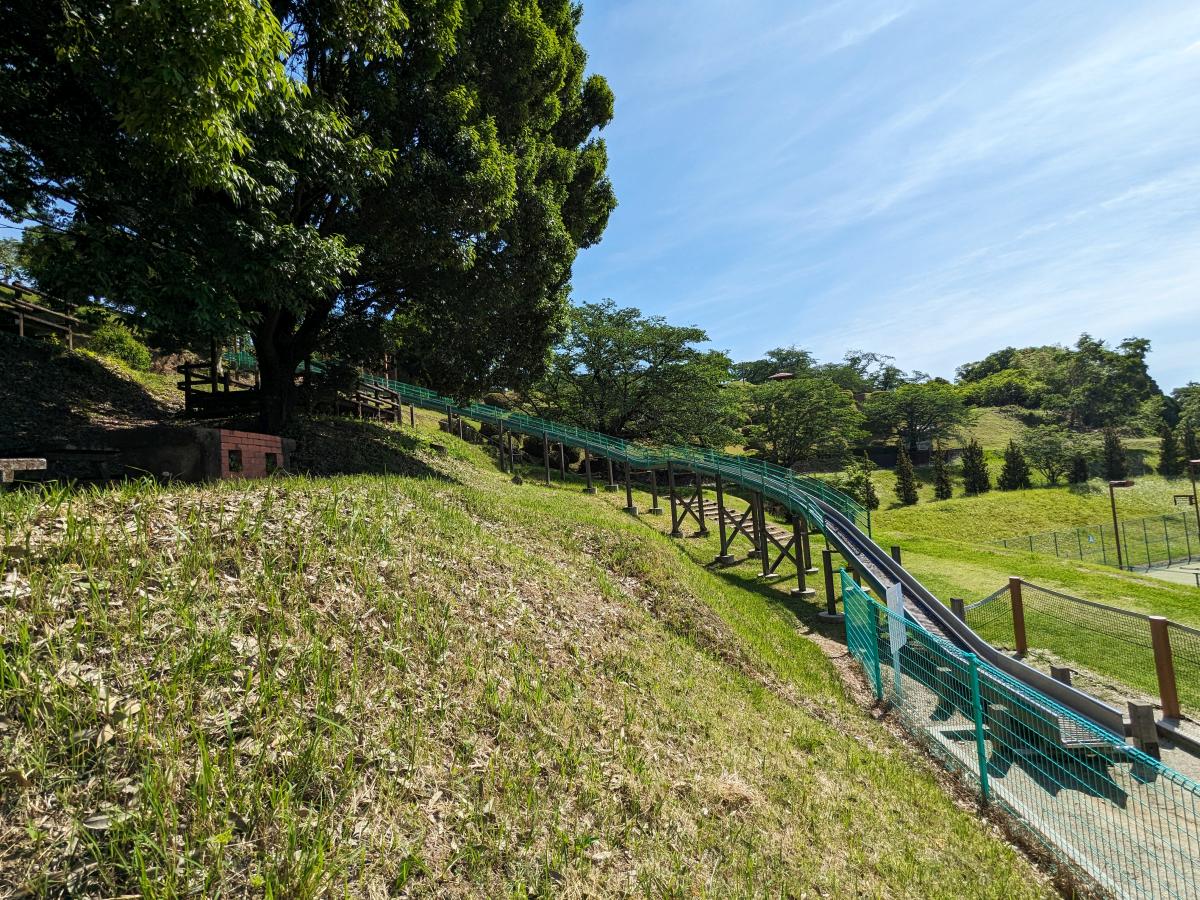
(1018, 616)
(958, 606)
(1164, 665)
(801, 589)
(675, 532)
(654, 510)
(612, 483)
(629, 507)
(562, 461)
(546, 455)
(724, 557)
(587, 465)
(830, 612)
(699, 499)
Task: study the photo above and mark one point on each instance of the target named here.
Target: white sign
(897, 632)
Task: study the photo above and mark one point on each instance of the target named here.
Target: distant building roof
(781, 376)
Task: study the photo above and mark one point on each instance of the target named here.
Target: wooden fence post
(1164, 664)
(1018, 614)
(958, 606)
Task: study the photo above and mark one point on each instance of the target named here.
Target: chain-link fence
(1111, 642)
(1149, 543)
(1107, 810)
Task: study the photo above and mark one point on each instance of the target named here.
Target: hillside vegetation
(432, 682)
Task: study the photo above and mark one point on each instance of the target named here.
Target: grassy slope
(432, 682)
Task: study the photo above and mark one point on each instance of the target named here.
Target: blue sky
(933, 180)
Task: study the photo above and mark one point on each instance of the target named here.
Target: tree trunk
(277, 361)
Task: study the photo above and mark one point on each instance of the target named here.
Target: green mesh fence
(1148, 543)
(1104, 808)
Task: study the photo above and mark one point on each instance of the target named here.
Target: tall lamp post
(1193, 465)
(1112, 497)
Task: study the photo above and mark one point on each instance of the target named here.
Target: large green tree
(420, 175)
(638, 377)
(913, 413)
(797, 421)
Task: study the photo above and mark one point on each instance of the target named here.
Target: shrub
(115, 340)
(1170, 460)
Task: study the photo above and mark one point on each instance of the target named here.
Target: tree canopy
(638, 377)
(420, 174)
(797, 421)
(914, 413)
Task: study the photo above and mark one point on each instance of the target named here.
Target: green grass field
(433, 682)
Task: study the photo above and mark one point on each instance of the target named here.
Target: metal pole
(1112, 498)
(1145, 544)
(980, 744)
(1192, 464)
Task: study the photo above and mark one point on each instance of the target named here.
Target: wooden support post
(500, 447)
(412, 414)
(675, 532)
(612, 482)
(703, 532)
(959, 607)
(1164, 665)
(1018, 616)
(896, 554)
(724, 557)
(1144, 732)
(654, 510)
(801, 589)
(546, 455)
(830, 596)
(587, 466)
(809, 568)
(763, 541)
(562, 461)
(629, 507)
(460, 428)
(1061, 673)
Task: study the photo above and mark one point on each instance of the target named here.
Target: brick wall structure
(246, 454)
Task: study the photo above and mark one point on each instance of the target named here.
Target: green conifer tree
(1170, 461)
(906, 478)
(943, 487)
(976, 479)
(1116, 464)
(1079, 472)
(1015, 474)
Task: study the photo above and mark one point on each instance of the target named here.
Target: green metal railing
(796, 492)
(1104, 808)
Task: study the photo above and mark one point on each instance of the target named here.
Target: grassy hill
(434, 682)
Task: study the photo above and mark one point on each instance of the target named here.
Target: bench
(10, 467)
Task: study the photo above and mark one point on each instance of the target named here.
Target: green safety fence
(1105, 809)
(1147, 543)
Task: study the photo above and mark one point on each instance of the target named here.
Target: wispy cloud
(930, 179)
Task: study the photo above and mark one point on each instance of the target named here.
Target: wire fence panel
(1148, 543)
(1106, 809)
(992, 619)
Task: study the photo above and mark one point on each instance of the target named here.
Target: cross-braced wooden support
(692, 506)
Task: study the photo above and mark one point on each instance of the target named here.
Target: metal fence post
(1018, 616)
(980, 742)
(1164, 665)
